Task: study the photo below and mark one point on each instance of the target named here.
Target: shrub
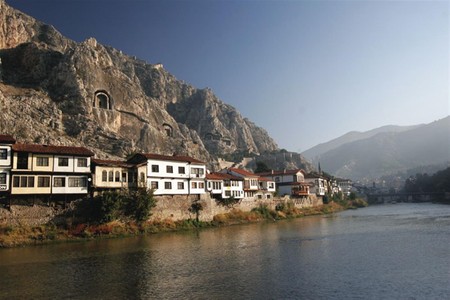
(227, 202)
(265, 212)
(107, 206)
(140, 203)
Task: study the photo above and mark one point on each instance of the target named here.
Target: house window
(22, 160)
(43, 181)
(104, 176)
(117, 177)
(82, 162)
(42, 161)
(168, 185)
(63, 161)
(201, 185)
(142, 177)
(154, 185)
(226, 183)
(181, 185)
(16, 181)
(23, 181)
(197, 171)
(124, 176)
(217, 185)
(59, 182)
(227, 193)
(169, 169)
(155, 168)
(194, 185)
(3, 153)
(181, 170)
(110, 176)
(2, 178)
(77, 182)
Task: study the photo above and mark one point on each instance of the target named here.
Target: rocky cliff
(56, 91)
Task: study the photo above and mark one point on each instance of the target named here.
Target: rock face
(54, 90)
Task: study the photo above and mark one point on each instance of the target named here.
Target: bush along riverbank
(114, 215)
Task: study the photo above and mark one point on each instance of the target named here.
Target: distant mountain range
(385, 150)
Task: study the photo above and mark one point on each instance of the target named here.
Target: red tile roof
(222, 176)
(49, 149)
(7, 139)
(180, 158)
(265, 179)
(111, 163)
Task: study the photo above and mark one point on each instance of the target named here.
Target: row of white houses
(30, 170)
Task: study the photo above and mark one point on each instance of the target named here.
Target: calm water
(399, 251)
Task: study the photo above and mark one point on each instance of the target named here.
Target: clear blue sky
(306, 71)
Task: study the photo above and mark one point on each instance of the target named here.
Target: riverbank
(22, 235)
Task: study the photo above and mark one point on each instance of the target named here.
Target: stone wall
(168, 207)
(177, 207)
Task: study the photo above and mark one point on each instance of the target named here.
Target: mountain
(390, 152)
(56, 91)
(315, 152)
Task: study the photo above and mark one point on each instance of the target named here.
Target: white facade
(77, 164)
(268, 185)
(317, 185)
(289, 182)
(5, 162)
(225, 186)
(70, 184)
(172, 175)
(50, 170)
(5, 167)
(253, 186)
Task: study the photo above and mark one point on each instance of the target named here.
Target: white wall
(6, 162)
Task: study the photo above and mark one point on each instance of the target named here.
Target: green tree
(140, 203)
(196, 207)
(261, 167)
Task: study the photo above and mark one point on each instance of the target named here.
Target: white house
(50, 170)
(318, 184)
(345, 186)
(6, 141)
(112, 174)
(223, 186)
(171, 175)
(255, 186)
(289, 182)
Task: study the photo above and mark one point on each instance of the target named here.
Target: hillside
(56, 91)
(390, 152)
(315, 152)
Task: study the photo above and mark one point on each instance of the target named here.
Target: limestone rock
(55, 90)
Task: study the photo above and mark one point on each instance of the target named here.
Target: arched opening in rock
(168, 129)
(102, 100)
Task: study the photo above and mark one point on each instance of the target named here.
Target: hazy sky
(306, 71)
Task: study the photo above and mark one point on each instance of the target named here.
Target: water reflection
(369, 253)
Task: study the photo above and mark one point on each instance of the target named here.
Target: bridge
(443, 197)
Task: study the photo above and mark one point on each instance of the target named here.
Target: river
(399, 251)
